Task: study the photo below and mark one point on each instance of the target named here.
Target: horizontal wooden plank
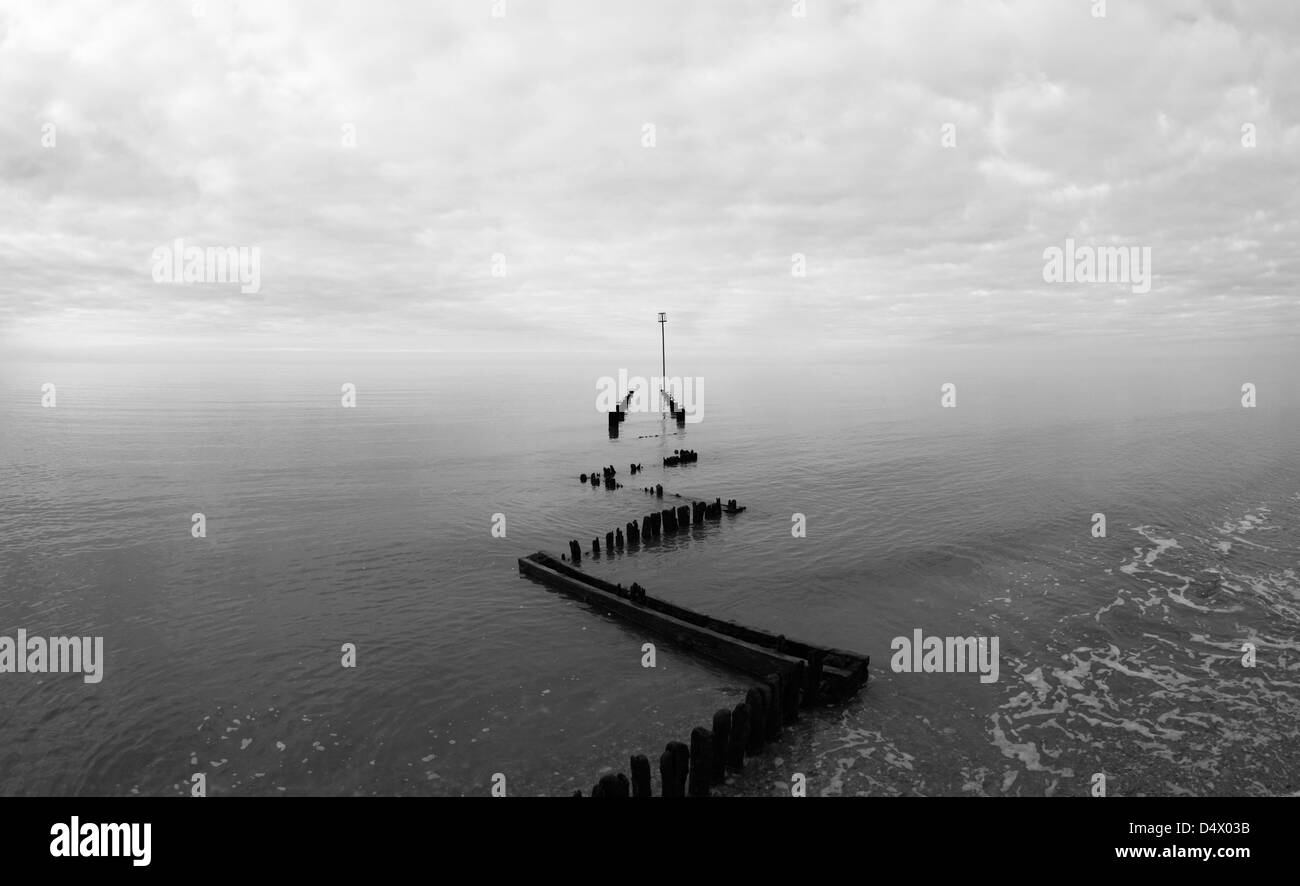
(757, 636)
(746, 657)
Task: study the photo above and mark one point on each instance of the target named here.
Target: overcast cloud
(523, 135)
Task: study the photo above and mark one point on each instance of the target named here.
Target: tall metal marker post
(663, 353)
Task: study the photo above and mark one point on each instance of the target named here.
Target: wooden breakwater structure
(681, 457)
(678, 413)
(621, 409)
(691, 770)
(790, 675)
(619, 415)
(654, 525)
(608, 472)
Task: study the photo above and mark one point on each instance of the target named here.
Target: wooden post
(611, 785)
(775, 716)
(640, 776)
(682, 754)
(765, 693)
(790, 703)
(674, 764)
(721, 737)
(738, 740)
(757, 722)
(813, 678)
(684, 516)
(667, 778)
(701, 762)
(595, 546)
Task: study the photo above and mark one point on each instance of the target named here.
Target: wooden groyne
(723, 746)
(822, 674)
(790, 675)
(681, 457)
(678, 413)
(621, 409)
(651, 526)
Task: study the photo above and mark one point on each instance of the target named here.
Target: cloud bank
(430, 175)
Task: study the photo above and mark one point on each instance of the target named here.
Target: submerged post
(738, 740)
(640, 776)
(812, 678)
(674, 767)
(775, 697)
(757, 705)
(611, 785)
(701, 771)
(721, 738)
(791, 686)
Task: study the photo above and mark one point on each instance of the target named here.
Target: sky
(479, 175)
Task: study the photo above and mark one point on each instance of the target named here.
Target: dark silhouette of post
(663, 354)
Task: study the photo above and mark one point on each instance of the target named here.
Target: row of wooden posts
(681, 457)
(693, 770)
(678, 413)
(619, 415)
(669, 521)
(608, 473)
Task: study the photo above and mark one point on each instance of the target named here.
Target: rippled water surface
(372, 526)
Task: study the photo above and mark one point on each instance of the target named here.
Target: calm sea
(372, 526)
